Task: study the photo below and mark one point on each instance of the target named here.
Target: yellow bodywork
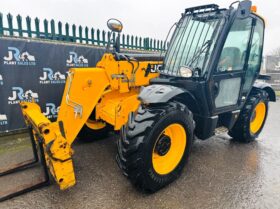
(111, 89)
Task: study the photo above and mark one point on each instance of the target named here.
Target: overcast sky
(147, 18)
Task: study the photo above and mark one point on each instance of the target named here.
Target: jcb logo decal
(155, 68)
(152, 68)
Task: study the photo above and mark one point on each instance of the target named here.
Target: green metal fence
(72, 33)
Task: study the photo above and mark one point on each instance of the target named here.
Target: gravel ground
(221, 173)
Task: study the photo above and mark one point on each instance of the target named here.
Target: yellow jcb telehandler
(207, 81)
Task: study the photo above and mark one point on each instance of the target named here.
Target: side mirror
(115, 25)
(244, 9)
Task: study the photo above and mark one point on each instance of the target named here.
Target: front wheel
(155, 145)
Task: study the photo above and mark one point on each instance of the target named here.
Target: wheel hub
(163, 145)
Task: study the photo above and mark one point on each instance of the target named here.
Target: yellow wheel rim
(95, 125)
(169, 149)
(258, 117)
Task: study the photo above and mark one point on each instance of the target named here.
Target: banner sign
(34, 69)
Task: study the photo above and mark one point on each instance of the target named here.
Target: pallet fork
(38, 158)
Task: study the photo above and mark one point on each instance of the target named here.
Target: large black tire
(241, 131)
(139, 138)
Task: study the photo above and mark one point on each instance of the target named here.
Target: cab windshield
(193, 42)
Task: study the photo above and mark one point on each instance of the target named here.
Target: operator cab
(215, 56)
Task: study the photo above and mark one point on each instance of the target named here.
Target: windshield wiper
(203, 49)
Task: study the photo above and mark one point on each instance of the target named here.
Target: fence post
(86, 34)
(28, 26)
(37, 27)
(98, 37)
(1, 25)
(140, 43)
(145, 43)
(53, 29)
(136, 42)
(108, 36)
(92, 36)
(132, 42)
(81, 34)
(74, 32)
(67, 32)
(60, 31)
(19, 23)
(46, 29)
(127, 41)
(103, 37)
(10, 24)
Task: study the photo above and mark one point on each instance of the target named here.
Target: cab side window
(233, 54)
(255, 57)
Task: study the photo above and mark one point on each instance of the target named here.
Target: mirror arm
(117, 44)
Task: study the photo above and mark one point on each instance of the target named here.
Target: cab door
(228, 77)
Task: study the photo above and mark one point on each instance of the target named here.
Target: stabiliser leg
(27, 164)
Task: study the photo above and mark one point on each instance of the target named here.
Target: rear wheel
(93, 130)
(155, 145)
(252, 118)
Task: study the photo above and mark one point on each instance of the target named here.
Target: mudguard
(267, 87)
(159, 93)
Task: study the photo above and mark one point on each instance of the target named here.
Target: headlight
(186, 72)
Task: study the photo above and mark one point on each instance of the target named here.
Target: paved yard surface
(221, 174)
